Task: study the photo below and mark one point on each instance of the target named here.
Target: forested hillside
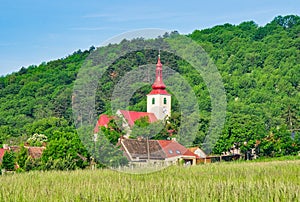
(260, 67)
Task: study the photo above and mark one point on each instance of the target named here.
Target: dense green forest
(260, 67)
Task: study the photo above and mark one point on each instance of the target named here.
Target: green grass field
(244, 181)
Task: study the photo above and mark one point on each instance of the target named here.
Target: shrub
(9, 160)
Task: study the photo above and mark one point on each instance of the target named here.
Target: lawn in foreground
(254, 181)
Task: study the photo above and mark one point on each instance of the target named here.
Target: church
(140, 151)
(158, 105)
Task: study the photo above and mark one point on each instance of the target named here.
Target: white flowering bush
(37, 140)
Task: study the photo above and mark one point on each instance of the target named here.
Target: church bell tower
(159, 100)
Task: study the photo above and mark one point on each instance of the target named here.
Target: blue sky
(34, 31)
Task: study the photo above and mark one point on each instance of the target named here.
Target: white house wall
(158, 107)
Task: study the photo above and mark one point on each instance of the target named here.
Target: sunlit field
(245, 181)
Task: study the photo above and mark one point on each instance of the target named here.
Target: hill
(260, 67)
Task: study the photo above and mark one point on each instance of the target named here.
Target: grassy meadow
(243, 181)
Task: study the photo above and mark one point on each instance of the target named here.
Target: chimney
(5, 146)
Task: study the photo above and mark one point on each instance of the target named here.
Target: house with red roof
(174, 150)
(131, 116)
(8, 148)
(168, 152)
(34, 152)
(128, 119)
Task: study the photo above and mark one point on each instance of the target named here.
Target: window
(170, 151)
(177, 151)
(165, 101)
(153, 101)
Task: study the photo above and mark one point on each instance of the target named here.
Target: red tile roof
(2, 151)
(158, 92)
(189, 153)
(14, 148)
(35, 152)
(132, 116)
(198, 151)
(173, 148)
(102, 121)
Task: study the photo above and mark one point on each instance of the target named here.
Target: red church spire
(158, 86)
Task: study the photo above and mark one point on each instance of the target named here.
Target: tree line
(259, 65)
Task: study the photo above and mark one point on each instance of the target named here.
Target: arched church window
(153, 101)
(165, 101)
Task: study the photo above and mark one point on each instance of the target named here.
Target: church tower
(159, 100)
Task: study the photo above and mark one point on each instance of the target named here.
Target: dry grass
(255, 181)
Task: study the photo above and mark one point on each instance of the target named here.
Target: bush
(32, 164)
(20, 170)
(37, 140)
(9, 160)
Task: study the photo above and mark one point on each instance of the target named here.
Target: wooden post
(148, 149)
